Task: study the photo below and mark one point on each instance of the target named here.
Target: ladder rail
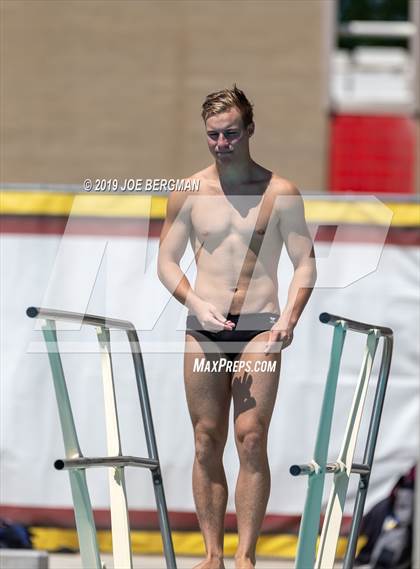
(76, 463)
(344, 466)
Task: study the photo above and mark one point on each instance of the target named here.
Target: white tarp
(117, 277)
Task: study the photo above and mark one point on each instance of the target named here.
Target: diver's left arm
(294, 232)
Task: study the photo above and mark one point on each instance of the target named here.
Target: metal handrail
(76, 463)
(84, 462)
(354, 325)
(344, 466)
(89, 319)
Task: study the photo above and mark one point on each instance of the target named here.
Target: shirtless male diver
(236, 223)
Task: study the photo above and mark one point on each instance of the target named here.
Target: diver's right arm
(173, 242)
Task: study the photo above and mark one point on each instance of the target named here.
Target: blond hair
(223, 100)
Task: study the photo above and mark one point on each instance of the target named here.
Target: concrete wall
(114, 88)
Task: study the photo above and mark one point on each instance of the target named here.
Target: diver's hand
(210, 318)
(281, 336)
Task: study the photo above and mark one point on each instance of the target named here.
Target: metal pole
(309, 526)
(85, 522)
(369, 452)
(120, 524)
(146, 413)
(335, 508)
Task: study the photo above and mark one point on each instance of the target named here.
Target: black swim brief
(232, 342)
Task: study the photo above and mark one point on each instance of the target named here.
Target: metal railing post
(344, 465)
(309, 526)
(76, 463)
(85, 522)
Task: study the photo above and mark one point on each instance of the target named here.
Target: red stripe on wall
(363, 234)
(58, 225)
(144, 519)
(139, 519)
(48, 225)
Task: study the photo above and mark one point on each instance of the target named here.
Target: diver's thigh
(254, 389)
(208, 392)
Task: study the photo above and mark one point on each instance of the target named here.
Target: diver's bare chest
(216, 217)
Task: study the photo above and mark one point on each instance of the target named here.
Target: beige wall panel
(114, 89)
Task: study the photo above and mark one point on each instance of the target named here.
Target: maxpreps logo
(203, 365)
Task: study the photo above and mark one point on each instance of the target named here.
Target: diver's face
(226, 135)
